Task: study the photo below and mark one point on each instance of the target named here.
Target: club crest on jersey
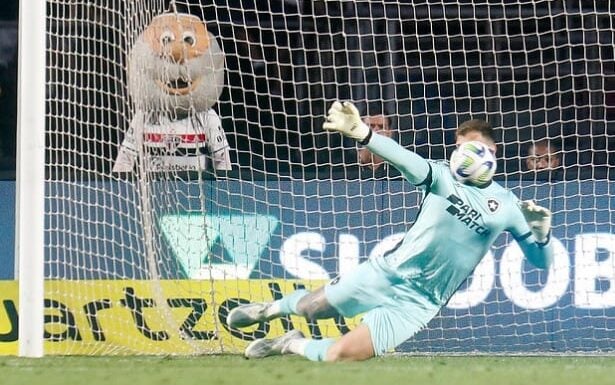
(493, 205)
(172, 142)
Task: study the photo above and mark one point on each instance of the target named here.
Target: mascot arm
(127, 155)
(217, 143)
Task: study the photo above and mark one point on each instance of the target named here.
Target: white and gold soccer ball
(473, 162)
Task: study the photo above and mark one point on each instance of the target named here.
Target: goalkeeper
(400, 292)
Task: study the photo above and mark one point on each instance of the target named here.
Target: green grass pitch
(234, 370)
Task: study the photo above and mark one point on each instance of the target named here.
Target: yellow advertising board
(154, 317)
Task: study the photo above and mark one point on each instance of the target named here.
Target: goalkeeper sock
(288, 304)
(316, 350)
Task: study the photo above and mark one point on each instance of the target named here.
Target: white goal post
(30, 191)
(172, 165)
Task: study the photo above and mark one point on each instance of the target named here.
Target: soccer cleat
(246, 315)
(271, 347)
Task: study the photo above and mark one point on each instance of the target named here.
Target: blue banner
(318, 229)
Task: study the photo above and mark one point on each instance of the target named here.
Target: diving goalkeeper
(400, 292)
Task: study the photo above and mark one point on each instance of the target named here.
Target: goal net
(187, 171)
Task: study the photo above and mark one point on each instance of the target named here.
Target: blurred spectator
(367, 161)
(544, 159)
(371, 165)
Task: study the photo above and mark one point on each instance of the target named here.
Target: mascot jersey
(175, 76)
(176, 145)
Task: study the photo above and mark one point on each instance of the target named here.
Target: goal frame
(30, 177)
(40, 290)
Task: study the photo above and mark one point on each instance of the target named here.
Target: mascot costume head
(175, 76)
(176, 65)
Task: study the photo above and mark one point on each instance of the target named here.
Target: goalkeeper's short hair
(476, 125)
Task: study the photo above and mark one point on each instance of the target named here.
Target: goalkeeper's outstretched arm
(412, 166)
(532, 231)
(345, 118)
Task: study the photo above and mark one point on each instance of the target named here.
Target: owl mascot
(175, 76)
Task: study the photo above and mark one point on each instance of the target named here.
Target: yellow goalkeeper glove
(345, 118)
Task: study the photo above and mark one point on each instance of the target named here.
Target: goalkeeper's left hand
(538, 218)
(345, 118)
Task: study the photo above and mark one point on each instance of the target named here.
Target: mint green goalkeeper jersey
(455, 227)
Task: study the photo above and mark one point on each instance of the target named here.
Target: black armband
(365, 141)
(543, 244)
(523, 237)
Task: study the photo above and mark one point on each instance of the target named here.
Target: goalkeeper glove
(539, 220)
(345, 118)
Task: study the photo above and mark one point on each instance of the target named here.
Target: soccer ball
(473, 163)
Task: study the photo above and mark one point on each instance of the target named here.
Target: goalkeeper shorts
(393, 310)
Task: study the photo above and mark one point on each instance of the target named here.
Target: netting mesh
(165, 208)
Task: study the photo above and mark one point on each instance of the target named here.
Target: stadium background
(273, 126)
(534, 70)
